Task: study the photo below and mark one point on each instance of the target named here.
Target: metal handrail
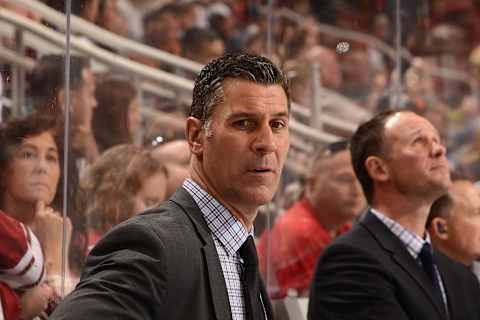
(84, 46)
(100, 35)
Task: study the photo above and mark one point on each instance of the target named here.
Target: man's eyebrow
(245, 114)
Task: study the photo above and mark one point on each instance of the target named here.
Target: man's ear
(195, 135)
(439, 227)
(377, 168)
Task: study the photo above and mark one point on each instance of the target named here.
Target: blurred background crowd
(87, 146)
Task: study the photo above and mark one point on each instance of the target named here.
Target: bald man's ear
(377, 168)
(439, 228)
(195, 135)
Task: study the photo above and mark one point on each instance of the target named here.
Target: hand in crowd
(35, 300)
(48, 227)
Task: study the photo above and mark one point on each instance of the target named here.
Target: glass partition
(116, 78)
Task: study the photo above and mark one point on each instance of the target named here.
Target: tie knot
(248, 251)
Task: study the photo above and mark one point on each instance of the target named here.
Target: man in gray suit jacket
(185, 259)
(384, 268)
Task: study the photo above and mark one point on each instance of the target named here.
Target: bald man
(175, 155)
(454, 223)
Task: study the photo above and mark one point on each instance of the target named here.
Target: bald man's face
(335, 188)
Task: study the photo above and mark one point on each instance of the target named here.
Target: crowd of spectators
(121, 163)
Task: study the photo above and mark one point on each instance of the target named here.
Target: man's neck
(245, 215)
(331, 221)
(411, 214)
(453, 253)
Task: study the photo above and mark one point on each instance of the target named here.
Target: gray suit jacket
(369, 274)
(162, 264)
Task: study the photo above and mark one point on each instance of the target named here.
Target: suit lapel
(218, 289)
(391, 243)
(266, 299)
(450, 284)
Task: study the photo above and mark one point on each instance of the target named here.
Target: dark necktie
(251, 280)
(428, 264)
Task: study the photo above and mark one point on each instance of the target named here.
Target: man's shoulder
(452, 267)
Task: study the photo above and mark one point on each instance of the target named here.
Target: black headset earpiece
(441, 228)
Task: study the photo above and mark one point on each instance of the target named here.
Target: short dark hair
(368, 141)
(207, 91)
(440, 208)
(156, 14)
(195, 39)
(47, 79)
(77, 6)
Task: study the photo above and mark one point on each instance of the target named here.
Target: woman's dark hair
(110, 117)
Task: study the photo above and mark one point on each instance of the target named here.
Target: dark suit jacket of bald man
(162, 264)
(369, 274)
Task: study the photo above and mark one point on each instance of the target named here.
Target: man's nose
(264, 140)
(438, 149)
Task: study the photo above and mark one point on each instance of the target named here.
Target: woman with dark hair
(116, 119)
(30, 157)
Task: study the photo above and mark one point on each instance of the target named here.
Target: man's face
(84, 101)
(336, 189)
(464, 222)
(245, 143)
(33, 172)
(416, 159)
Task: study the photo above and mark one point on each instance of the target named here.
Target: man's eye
(244, 123)
(278, 124)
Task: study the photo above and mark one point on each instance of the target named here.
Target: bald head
(175, 155)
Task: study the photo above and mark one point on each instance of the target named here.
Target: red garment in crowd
(21, 264)
(9, 303)
(296, 241)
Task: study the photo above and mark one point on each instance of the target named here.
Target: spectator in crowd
(357, 76)
(119, 107)
(125, 180)
(202, 45)
(162, 29)
(20, 10)
(110, 18)
(23, 291)
(30, 173)
(454, 223)
(175, 155)
(222, 20)
(85, 9)
(383, 267)
(332, 199)
(47, 89)
(186, 258)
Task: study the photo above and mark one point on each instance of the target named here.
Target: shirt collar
(224, 226)
(412, 242)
